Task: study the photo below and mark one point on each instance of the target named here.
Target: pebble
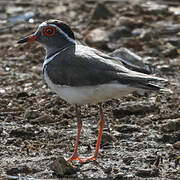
(22, 17)
(22, 95)
(128, 160)
(120, 175)
(177, 145)
(100, 12)
(165, 68)
(136, 108)
(115, 45)
(171, 125)
(147, 173)
(175, 41)
(14, 10)
(146, 35)
(62, 167)
(127, 128)
(153, 7)
(119, 32)
(22, 132)
(106, 139)
(44, 119)
(1, 130)
(170, 52)
(163, 29)
(175, 10)
(97, 37)
(170, 137)
(137, 31)
(128, 22)
(16, 141)
(14, 171)
(31, 114)
(64, 122)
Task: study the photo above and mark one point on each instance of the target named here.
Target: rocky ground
(142, 134)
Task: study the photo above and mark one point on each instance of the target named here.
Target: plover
(81, 75)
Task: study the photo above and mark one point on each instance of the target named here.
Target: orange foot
(75, 157)
(93, 158)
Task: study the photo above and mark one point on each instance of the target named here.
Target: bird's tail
(154, 87)
(152, 83)
(150, 86)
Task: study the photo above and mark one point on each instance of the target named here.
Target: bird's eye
(49, 31)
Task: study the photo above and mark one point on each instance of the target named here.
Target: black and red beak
(30, 38)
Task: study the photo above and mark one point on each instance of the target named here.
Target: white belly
(89, 94)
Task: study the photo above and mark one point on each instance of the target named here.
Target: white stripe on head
(43, 24)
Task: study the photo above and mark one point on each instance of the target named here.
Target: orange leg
(101, 126)
(79, 125)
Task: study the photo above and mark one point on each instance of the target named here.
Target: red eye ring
(50, 29)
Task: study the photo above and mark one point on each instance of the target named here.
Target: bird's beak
(30, 38)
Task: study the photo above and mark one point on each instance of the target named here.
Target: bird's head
(51, 34)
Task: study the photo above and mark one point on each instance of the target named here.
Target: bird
(82, 75)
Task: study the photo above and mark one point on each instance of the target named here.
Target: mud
(142, 134)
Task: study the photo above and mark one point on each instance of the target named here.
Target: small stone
(165, 68)
(31, 114)
(120, 175)
(14, 10)
(162, 29)
(55, 111)
(1, 130)
(100, 12)
(44, 119)
(170, 52)
(115, 45)
(108, 170)
(66, 116)
(97, 37)
(129, 22)
(64, 122)
(171, 125)
(147, 172)
(22, 17)
(170, 138)
(177, 145)
(128, 160)
(22, 94)
(16, 141)
(119, 32)
(146, 35)
(175, 10)
(153, 7)
(135, 108)
(60, 9)
(106, 139)
(175, 41)
(20, 170)
(127, 128)
(62, 167)
(137, 31)
(24, 133)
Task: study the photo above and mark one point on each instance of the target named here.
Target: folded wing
(84, 66)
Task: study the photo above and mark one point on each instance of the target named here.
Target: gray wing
(84, 66)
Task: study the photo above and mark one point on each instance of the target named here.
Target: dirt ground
(142, 134)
